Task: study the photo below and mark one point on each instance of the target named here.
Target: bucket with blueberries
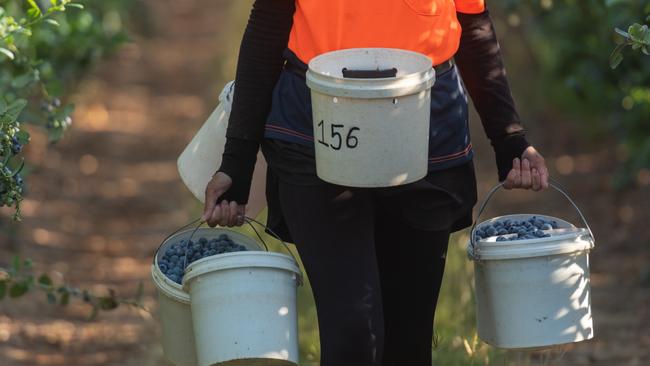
(224, 299)
(531, 275)
(167, 272)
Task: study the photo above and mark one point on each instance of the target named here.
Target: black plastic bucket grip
(369, 74)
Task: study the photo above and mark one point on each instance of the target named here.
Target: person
(374, 256)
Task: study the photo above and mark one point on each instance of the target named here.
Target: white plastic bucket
(533, 293)
(371, 132)
(244, 309)
(202, 156)
(174, 303)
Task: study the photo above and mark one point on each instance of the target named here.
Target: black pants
(375, 277)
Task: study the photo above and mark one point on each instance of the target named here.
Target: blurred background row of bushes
(569, 43)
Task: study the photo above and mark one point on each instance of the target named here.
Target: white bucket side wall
(376, 160)
(177, 331)
(202, 156)
(548, 296)
(250, 312)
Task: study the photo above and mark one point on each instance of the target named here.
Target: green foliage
(637, 37)
(571, 43)
(19, 279)
(45, 45)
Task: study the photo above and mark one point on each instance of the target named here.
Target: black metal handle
(369, 74)
(552, 183)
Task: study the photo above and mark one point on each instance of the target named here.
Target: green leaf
(18, 289)
(645, 50)
(34, 12)
(16, 263)
(636, 31)
(22, 136)
(3, 289)
(139, 293)
(45, 280)
(68, 110)
(615, 59)
(16, 107)
(54, 88)
(51, 298)
(22, 81)
(75, 5)
(65, 299)
(3, 106)
(622, 33)
(52, 22)
(7, 53)
(93, 313)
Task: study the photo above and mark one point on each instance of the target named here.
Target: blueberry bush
(45, 45)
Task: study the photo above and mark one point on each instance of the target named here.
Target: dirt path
(102, 199)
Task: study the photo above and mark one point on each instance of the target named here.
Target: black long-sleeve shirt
(260, 63)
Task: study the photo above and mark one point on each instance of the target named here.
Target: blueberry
(521, 232)
(554, 224)
(507, 223)
(503, 232)
(174, 258)
(174, 278)
(223, 237)
(539, 234)
(241, 248)
(212, 252)
(547, 227)
(491, 231)
(162, 267)
(502, 238)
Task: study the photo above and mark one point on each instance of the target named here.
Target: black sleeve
(481, 66)
(258, 68)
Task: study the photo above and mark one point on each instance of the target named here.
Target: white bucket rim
(401, 85)
(175, 290)
(168, 287)
(239, 260)
(571, 242)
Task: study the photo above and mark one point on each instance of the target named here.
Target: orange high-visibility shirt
(426, 26)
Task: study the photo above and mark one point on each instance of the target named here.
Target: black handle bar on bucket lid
(369, 74)
(249, 221)
(553, 183)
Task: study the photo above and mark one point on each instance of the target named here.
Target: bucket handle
(553, 183)
(249, 221)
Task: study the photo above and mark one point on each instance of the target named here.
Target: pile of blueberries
(532, 228)
(173, 262)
